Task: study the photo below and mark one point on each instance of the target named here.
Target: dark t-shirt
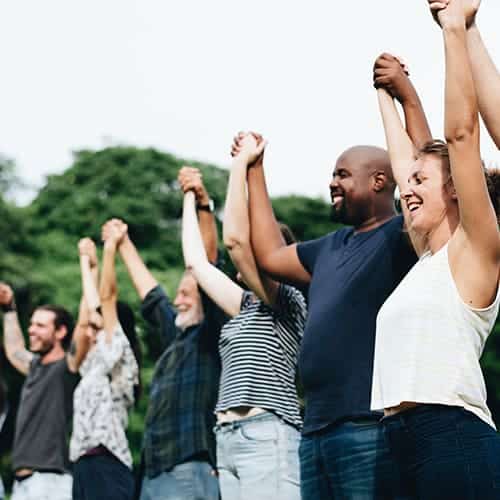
(180, 418)
(44, 417)
(352, 275)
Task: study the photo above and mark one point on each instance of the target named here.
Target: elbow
(232, 242)
(462, 133)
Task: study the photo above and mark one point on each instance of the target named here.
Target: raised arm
(13, 340)
(88, 317)
(141, 277)
(80, 342)
(206, 217)
(273, 256)
(226, 294)
(484, 72)
(401, 153)
(108, 289)
(391, 75)
(236, 229)
(477, 242)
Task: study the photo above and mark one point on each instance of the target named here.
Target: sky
(184, 76)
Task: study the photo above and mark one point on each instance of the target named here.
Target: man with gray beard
(179, 447)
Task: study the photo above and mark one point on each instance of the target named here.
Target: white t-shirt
(103, 397)
(428, 342)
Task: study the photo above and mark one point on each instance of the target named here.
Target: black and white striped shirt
(259, 349)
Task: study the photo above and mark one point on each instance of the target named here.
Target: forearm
(80, 343)
(265, 232)
(417, 125)
(192, 243)
(399, 145)
(89, 286)
(141, 277)
(461, 118)
(14, 344)
(487, 82)
(236, 228)
(208, 229)
(107, 287)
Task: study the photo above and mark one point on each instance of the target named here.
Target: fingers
(190, 178)
(441, 4)
(114, 228)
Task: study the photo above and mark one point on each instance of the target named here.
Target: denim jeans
(43, 486)
(257, 458)
(445, 452)
(102, 477)
(348, 461)
(193, 480)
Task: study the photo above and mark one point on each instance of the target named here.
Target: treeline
(38, 243)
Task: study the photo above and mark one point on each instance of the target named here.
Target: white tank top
(429, 342)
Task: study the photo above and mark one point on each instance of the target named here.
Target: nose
(406, 193)
(334, 182)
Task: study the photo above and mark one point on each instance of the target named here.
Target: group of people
(383, 320)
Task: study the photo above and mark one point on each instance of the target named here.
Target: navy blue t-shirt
(352, 276)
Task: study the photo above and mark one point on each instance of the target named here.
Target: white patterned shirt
(103, 397)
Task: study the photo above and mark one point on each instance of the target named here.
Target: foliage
(39, 256)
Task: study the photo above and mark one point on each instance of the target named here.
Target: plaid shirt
(184, 388)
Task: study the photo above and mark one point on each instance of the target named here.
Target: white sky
(184, 76)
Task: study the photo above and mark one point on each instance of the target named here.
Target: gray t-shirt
(44, 417)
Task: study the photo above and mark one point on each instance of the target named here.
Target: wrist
(454, 27)
(208, 206)
(202, 198)
(110, 245)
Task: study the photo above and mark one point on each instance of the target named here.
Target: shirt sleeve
(290, 303)
(159, 313)
(308, 253)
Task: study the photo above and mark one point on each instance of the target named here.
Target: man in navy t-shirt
(350, 273)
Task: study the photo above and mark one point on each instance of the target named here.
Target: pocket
(259, 432)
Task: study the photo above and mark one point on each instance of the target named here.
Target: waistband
(267, 416)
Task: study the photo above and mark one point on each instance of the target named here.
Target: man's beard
(338, 214)
(45, 348)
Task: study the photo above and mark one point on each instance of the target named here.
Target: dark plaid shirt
(184, 388)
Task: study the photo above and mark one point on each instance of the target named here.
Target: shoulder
(309, 251)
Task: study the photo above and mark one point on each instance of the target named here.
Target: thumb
(261, 147)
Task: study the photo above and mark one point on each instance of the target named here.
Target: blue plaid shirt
(184, 388)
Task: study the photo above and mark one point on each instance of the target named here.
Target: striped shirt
(258, 349)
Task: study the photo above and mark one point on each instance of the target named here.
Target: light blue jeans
(257, 458)
(194, 480)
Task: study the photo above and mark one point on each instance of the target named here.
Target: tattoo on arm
(72, 348)
(22, 356)
(15, 346)
(12, 330)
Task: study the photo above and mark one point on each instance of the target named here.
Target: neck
(374, 221)
(439, 236)
(55, 354)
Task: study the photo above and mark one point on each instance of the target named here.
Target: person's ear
(61, 332)
(379, 181)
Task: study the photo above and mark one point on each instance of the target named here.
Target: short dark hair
(62, 318)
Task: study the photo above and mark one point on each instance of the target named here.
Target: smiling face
(429, 194)
(351, 188)
(43, 334)
(188, 303)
